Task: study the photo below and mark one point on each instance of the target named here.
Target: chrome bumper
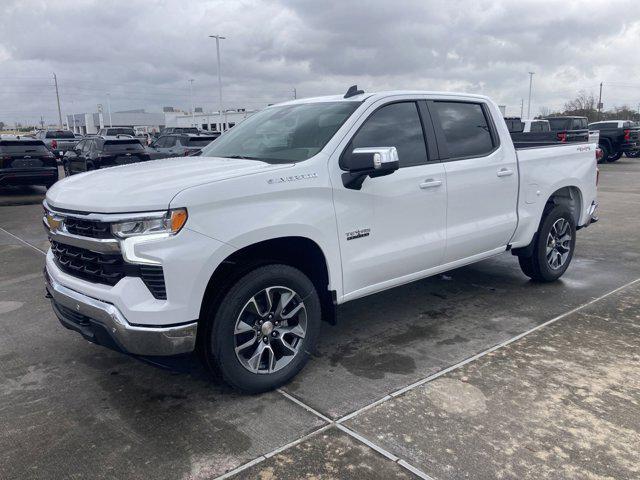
(102, 323)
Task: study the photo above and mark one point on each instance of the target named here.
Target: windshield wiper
(242, 157)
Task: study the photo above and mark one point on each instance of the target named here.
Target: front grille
(87, 228)
(107, 269)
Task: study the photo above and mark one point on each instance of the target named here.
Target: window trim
(441, 139)
(416, 103)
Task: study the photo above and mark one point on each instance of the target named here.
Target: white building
(92, 122)
(213, 121)
(142, 121)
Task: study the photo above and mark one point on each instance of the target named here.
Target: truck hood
(146, 186)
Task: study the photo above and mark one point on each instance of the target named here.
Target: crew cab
(241, 252)
(58, 141)
(538, 133)
(569, 128)
(97, 152)
(617, 137)
(25, 161)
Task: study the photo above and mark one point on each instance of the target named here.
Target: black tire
(605, 153)
(633, 154)
(219, 342)
(537, 266)
(614, 157)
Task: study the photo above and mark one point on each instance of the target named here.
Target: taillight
(597, 176)
(562, 136)
(627, 135)
(599, 154)
(54, 144)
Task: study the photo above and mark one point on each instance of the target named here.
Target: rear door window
(466, 129)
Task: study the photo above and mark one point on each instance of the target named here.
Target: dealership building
(145, 122)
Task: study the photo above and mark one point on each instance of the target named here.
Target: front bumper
(102, 323)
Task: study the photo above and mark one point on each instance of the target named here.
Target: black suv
(617, 137)
(27, 162)
(98, 152)
(179, 145)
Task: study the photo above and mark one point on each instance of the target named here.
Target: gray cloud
(143, 52)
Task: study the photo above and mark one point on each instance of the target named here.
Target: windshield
(123, 146)
(284, 134)
(559, 124)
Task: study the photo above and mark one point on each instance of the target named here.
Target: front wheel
(554, 246)
(635, 154)
(264, 329)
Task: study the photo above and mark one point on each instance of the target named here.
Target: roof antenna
(353, 91)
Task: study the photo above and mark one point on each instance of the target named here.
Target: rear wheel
(614, 157)
(264, 329)
(633, 154)
(553, 248)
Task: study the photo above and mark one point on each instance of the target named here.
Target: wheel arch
(571, 196)
(299, 252)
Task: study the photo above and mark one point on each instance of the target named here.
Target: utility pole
(521, 107)
(600, 103)
(109, 108)
(530, 87)
(295, 93)
(193, 112)
(55, 80)
(218, 38)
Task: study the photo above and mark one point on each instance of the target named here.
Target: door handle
(430, 183)
(505, 172)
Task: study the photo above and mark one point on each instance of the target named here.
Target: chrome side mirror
(369, 162)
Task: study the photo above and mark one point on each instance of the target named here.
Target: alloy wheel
(270, 330)
(558, 243)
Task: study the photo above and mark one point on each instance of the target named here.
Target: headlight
(170, 223)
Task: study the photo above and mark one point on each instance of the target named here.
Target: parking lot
(478, 373)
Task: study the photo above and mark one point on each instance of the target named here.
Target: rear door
(481, 175)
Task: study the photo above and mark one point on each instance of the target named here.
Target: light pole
(193, 114)
(109, 108)
(530, 86)
(218, 38)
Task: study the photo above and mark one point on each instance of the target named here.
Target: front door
(394, 226)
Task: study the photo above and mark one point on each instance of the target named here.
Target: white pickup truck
(240, 252)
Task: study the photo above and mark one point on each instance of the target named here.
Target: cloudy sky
(143, 52)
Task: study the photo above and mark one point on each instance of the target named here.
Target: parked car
(113, 132)
(172, 130)
(98, 152)
(58, 141)
(178, 145)
(537, 133)
(617, 137)
(569, 128)
(301, 207)
(78, 136)
(26, 162)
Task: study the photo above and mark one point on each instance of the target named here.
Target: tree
(584, 105)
